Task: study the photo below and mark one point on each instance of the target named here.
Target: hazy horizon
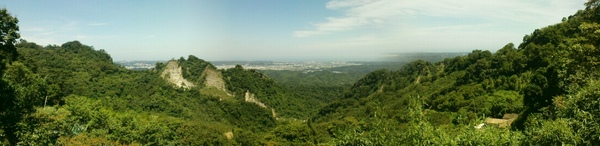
(392, 57)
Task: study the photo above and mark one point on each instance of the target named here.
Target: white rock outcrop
(214, 79)
(172, 73)
(249, 97)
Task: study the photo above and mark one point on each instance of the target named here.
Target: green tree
(8, 52)
(9, 33)
(592, 4)
(25, 90)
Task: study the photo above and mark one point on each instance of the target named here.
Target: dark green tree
(8, 52)
(9, 33)
(25, 91)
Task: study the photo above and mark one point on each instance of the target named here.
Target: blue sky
(280, 30)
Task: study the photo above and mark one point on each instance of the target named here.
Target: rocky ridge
(172, 74)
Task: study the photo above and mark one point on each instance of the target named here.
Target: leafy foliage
(241, 81)
(546, 79)
(13, 95)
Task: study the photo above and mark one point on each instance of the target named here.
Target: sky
(282, 30)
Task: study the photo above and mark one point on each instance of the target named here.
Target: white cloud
(58, 31)
(335, 4)
(397, 14)
(334, 24)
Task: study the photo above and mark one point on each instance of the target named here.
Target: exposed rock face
(172, 73)
(249, 97)
(214, 79)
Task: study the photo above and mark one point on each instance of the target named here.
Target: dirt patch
(172, 74)
(418, 80)
(228, 135)
(506, 120)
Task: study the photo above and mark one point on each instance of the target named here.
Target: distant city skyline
(349, 30)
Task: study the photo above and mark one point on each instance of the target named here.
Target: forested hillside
(91, 100)
(316, 89)
(73, 94)
(549, 80)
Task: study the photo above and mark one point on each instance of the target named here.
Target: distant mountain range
(425, 56)
(138, 65)
(305, 65)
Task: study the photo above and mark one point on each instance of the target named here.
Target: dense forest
(544, 90)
